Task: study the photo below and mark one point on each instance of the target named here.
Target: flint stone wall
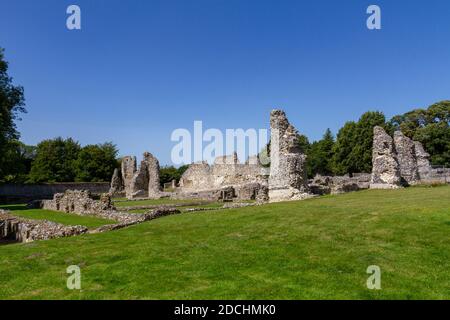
(321, 185)
(142, 182)
(385, 167)
(78, 201)
(128, 169)
(117, 186)
(25, 230)
(287, 180)
(406, 156)
(226, 171)
(17, 193)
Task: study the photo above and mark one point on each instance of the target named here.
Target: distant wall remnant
(27, 192)
(78, 201)
(226, 171)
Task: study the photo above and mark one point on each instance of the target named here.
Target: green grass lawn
(55, 216)
(314, 249)
(151, 202)
(212, 205)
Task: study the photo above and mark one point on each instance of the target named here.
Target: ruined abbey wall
(400, 161)
(226, 171)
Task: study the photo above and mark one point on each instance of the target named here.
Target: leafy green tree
(429, 126)
(96, 163)
(169, 173)
(436, 140)
(17, 161)
(11, 105)
(303, 143)
(352, 151)
(361, 154)
(320, 154)
(55, 161)
(342, 149)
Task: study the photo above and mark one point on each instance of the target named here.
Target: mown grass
(55, 216)
(313, 249)
(150, 202)
(212, 205)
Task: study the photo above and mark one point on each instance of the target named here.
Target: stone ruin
(284, 180)
(248, 180)
(385, 166)
(397, 162)
(17, 229)
(321, 185)
(134, 182)
(117, 185)
(79, 202)
(400, 161)
(287, 179)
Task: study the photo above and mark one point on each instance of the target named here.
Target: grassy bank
(314, 249)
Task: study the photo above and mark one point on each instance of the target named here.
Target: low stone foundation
(25, 230)
(78, 201)
(321, 185)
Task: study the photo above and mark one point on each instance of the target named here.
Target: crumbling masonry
(401, 162)
(397, 162)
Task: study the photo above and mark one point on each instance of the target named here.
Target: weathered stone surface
(385, 167)
(287, 180)
(423, 162)
(226, 171)
(406, 156)
(139, 183)
(226, 194)
(154, 186)
(321, 185)
(116, 183)
(145, 182)
(128, 169)
(78, 201)
(248, 191)
(26, 230)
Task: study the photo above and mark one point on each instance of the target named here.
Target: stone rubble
(322, 185)
(25, 230)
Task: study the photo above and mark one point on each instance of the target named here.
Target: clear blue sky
(139, 69)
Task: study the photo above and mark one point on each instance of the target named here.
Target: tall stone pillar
(154, 186)
(385, 167)
(128, 169)
(423, 162)
(145, 182)
(116, 183)
(406, 156)
(287, 179)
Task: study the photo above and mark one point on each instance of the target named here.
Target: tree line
(351, 150)
(64, 160)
